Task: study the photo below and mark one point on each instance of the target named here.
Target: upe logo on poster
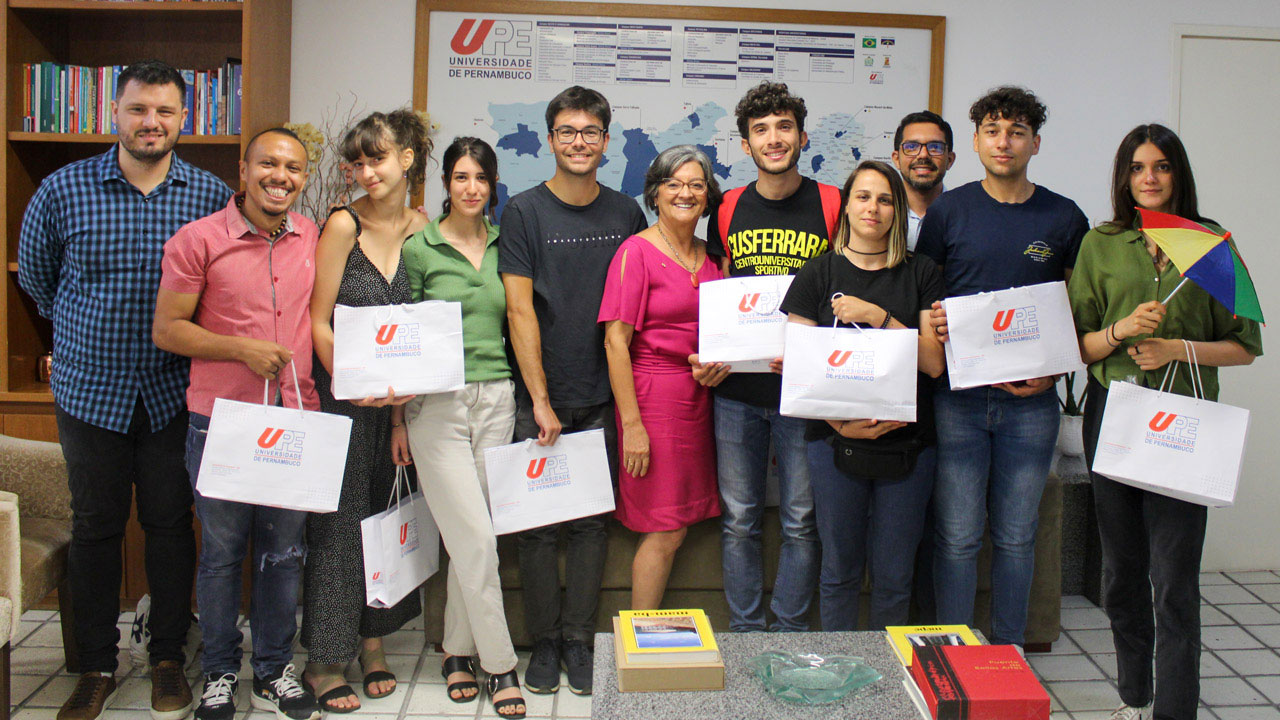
(1173, 432)
(859, 365)
(759, 308)
(397, 341)
(492, 50)
(548, 472)
(408, 537)
(1016, 325)
(279, 446)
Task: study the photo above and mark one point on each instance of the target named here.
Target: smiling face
(577, 156)
(148, 119)
(682, 198)
(469, 189)
(273, 172)
(774, 143)
(383, 172)
(923, 171)
(870, 208)
(1005, 146)
(1151, 178)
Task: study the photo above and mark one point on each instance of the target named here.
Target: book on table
(656, 637)
(978, 682)
(905, 638)
(668, 676)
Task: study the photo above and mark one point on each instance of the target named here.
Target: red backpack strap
(724, 215)
(830, 195)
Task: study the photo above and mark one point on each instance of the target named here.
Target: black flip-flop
(456, 664)
(378, 676)
(342, 691)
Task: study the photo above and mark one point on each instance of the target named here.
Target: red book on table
(978, 682)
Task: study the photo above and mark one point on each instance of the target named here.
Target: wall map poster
(670, 81)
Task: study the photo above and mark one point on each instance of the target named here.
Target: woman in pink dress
(667, 478)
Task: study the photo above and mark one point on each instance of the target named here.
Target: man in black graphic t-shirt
(771, 227)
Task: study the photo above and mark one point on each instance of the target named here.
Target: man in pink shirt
(234, 297)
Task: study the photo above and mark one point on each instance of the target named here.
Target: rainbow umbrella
(1202, 255)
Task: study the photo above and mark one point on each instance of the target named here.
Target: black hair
(1183, 201)
(151, 72)
(401, 129)
(483, 154)
(924, 116)
(580, 98)
(273, 131)
(1012, 103)
(768, 98)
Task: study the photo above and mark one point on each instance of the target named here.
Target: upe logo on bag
(279, 446)
(760, 309)
(1015, 325)
(1173, 431)
(859, 365)
(548, 472)
(408, 537)
(400, 340)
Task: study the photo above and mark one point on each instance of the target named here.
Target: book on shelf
(978, 682)
(58, 98)
(663, 677)
(905, 638)
(651, 637)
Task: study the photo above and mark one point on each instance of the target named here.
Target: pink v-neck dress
(655, 295)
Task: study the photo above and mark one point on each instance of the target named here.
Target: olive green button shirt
(1113, 275)
(437, 271)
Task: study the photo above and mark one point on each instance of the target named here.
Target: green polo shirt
(437, 271)
(1113, 275)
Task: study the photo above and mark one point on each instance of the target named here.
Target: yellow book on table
(666, 636)
(902, 638)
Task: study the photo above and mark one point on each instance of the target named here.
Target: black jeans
(1150, 542)
(585, 548)
(103, 466)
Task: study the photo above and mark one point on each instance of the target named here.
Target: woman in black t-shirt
(863, 470)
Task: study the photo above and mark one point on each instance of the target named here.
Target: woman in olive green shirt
(455, 258)
(1126, 333)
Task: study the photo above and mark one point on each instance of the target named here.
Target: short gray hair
(669, 161)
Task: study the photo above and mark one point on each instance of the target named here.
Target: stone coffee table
(744, 695)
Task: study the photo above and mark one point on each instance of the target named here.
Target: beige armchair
(33, 481)
(10, 590)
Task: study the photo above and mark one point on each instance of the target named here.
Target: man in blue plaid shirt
(89, 255)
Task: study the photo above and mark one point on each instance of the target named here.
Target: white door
(1226, 105)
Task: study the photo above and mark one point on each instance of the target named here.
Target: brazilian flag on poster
(869, 43)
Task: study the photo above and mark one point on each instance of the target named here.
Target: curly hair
(1010, 102)
(401, 129)
(768, 98)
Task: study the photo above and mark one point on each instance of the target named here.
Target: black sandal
(456, 664)
(503, 681)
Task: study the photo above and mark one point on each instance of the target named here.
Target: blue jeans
(742, 456)
(994, 452)
(896, 519)
(278, 553)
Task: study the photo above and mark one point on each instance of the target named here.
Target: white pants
(448, 434)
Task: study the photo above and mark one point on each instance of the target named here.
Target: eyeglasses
(674, 186)
(590, 135)
(911, 147)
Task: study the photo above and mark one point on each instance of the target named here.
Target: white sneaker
(140, 637)
(1127, 712)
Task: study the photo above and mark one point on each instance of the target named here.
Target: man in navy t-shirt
(995, 443)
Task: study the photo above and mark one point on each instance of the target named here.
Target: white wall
(1102, 66)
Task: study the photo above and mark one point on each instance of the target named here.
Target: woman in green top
(1149, 541)
(455, 258)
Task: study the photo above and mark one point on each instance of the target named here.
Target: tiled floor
(1239, 666)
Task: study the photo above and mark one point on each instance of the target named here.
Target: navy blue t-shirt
(985, 245)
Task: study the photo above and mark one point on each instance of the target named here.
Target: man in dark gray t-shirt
(554, 250)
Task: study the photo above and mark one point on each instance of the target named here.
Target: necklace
(693, 271)
(859, 252)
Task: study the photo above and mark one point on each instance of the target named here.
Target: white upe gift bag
(531, 485)
(739, 322)
(1184, 447)
(415, 349)
(278, 456)
(831, 373)
(401, 547)
(1010, 335)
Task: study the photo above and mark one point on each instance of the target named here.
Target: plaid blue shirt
(89, 255)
